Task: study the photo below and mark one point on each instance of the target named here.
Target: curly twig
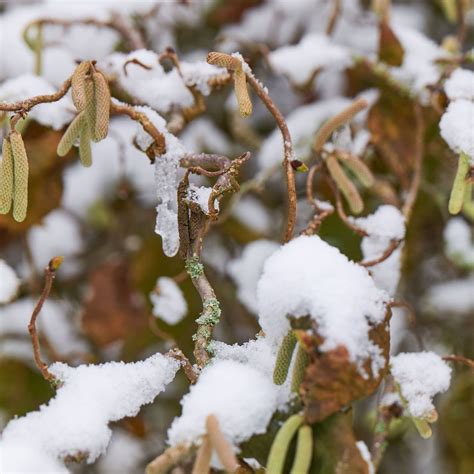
(392, 246)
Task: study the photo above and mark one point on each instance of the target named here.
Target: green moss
(194, 268)
(211, 313)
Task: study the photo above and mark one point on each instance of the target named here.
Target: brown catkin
(283, 360)
(6, 177)
(202, 464)
(345, 185)
(360, 170)
(20, 177)
(301, 361)
(242, 93)
(223, 448)
(70, 135)
(78, 85)
(102, 106)
(224, 60)
(85, 152)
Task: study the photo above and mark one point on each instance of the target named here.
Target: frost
(420, 376)
(55, 115)
(387, 223)
(76, 419)
(309, 277)
(460, 85)
(313, 52)
(247, 269)
(237, 394)
(168, 301)
(456, 127)
(9, 282)
(459, 242)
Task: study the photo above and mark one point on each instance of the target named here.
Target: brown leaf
(335, 447)
(113, 309)
(390, 49)
(332, 381)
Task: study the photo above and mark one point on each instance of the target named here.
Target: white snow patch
(168, 301)
(9, 282)
(460, 85)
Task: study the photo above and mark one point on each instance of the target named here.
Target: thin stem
(49, 274)
(288, 152)
(461, 359)
(223, 448)
(393, 245)
(188, 369)
(335, 12)
(169, 458)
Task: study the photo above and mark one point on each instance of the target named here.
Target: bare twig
(392, 246)
(461, 359)
(418, 165)
(169, 458)
(202, 464)
(188, 369)
(49, 274)
(335, 12)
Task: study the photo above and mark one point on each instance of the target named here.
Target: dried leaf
(390, 49)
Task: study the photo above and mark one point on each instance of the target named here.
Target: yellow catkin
(459, 186)
(223, 448)
(283, 360)
(90, 109)
(78, 85)
(345, 185)
(423, 428)
(85, 152)
(102, 106)
(20, 177)
(6, 177)
(70, 135)
(304, 451)
(337, 121)
(360, 170)
(301, 361)
(202, 464)
(224, 60)
(242, 93)
(281, 443)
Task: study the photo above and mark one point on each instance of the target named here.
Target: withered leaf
(113, 310)
(332, 381)
(390, 49)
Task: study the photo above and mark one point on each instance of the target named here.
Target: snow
(307, 276)
(365, 453)
(55, 115)
(385, 224)
(456, 127)
(452, 297)
(418, 69)
(303, 124)
(76, 419)
(201, 135)
(253, 214)
(125, 453)
(9, 282)
(460, 85)
(459, 242)
(247, 269)
(53, 322)
(420, 376)
(168, 301)
(242, 400)
(200, 195)
(313, 52)
(153, 86)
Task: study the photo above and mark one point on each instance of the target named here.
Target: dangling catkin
(85, 152)
(102, 106)
(459, 186)
(78, 85)
(283, 360)
(6, 177)
(20, 177)
(304, 451)
(224, 60)
(345, 185)
(70, 135)
(242, 93)
(360, 170)
(90, 109)
(301, 361)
